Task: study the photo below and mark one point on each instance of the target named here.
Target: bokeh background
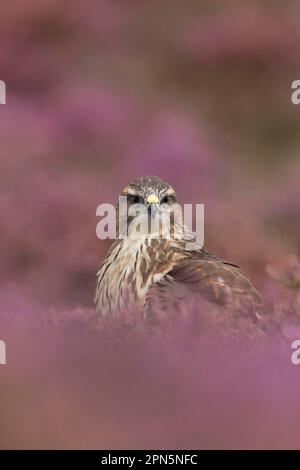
(98, 93)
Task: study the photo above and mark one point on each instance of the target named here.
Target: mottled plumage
(150, 274)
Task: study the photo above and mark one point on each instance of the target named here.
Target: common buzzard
(149, 273)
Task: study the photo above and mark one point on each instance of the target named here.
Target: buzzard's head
(150, 207)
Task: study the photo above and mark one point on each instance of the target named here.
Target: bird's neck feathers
(129, 269)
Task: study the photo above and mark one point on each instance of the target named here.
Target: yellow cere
(152, 198)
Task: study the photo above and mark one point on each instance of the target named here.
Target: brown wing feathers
(216, 281)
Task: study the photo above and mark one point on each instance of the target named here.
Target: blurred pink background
(98, 93)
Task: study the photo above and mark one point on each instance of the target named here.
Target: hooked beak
(152, 202)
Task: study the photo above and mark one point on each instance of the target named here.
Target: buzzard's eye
(135, 199)
(166, 200)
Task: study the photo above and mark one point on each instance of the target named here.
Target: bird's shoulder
(202, 276)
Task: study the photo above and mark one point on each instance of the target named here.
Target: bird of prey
(149, 272)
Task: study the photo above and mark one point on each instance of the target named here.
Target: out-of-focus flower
(288, 275)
